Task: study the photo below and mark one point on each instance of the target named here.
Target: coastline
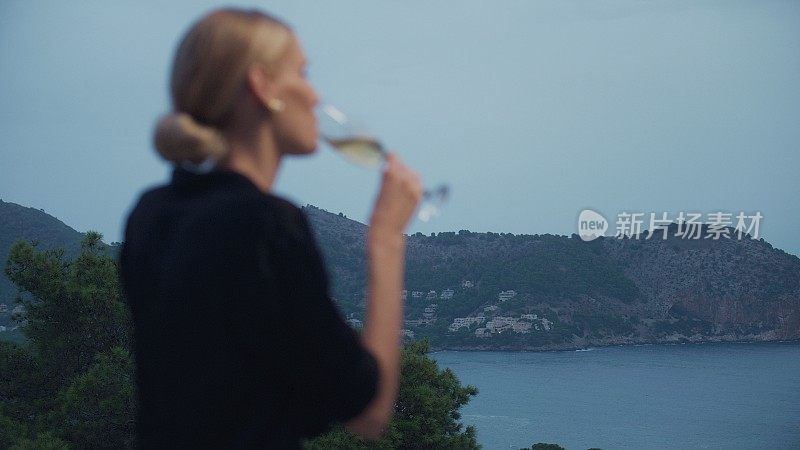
(616, 342)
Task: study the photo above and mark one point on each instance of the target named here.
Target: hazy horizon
(532, 112)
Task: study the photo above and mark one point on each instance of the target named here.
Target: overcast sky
(531, 111)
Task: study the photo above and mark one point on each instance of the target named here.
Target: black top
(237, 342)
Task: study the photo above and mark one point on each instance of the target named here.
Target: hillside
(19, 222)
(487, 290)
(29, 224)
(470, 290)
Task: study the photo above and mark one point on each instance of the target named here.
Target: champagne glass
(363, 149)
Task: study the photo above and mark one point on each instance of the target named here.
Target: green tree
(543, 446)
(97, 409)
(11, 431)
(74, 309)
(20, 381)
(43, 441)
(426, 413)
(71, 384)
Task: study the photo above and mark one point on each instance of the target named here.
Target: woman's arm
(400, 193)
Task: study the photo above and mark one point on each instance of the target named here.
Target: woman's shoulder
(274, 214)
(271, 214)
(287, 216)
(223, 201)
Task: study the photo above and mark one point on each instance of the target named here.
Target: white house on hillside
(483, 333)
(506, 295)
(461, 322)
(355, 323)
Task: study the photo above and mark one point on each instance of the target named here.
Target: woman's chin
(311, 148)
(304, 149)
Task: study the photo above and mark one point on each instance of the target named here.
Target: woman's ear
(260, 84)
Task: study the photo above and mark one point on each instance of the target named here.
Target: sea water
(692, 396)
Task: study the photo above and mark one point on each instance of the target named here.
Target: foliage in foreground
(426, 412)
(544, 446)
(71, 384)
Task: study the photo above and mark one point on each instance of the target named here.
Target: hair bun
(179, 137)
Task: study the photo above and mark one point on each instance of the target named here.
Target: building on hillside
(446, 294)
(461, 322)
(529, 317)
(355, 323)
(467, 284)
(431, 295)
(500, 324)
(420, 322)
(521, 327)
(483, 333)
(404, 294)
(417, 294)
(506, 295)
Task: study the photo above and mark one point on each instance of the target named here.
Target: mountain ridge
(468, 290)
(602, 292)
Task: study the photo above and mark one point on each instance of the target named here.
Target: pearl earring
(275, 105)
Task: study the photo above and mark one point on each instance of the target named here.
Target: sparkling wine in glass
(363, 149)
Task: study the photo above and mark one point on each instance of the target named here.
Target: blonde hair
(208, 76)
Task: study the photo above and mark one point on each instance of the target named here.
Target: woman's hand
(400, 194)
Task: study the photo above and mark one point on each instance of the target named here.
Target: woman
(237, 341)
